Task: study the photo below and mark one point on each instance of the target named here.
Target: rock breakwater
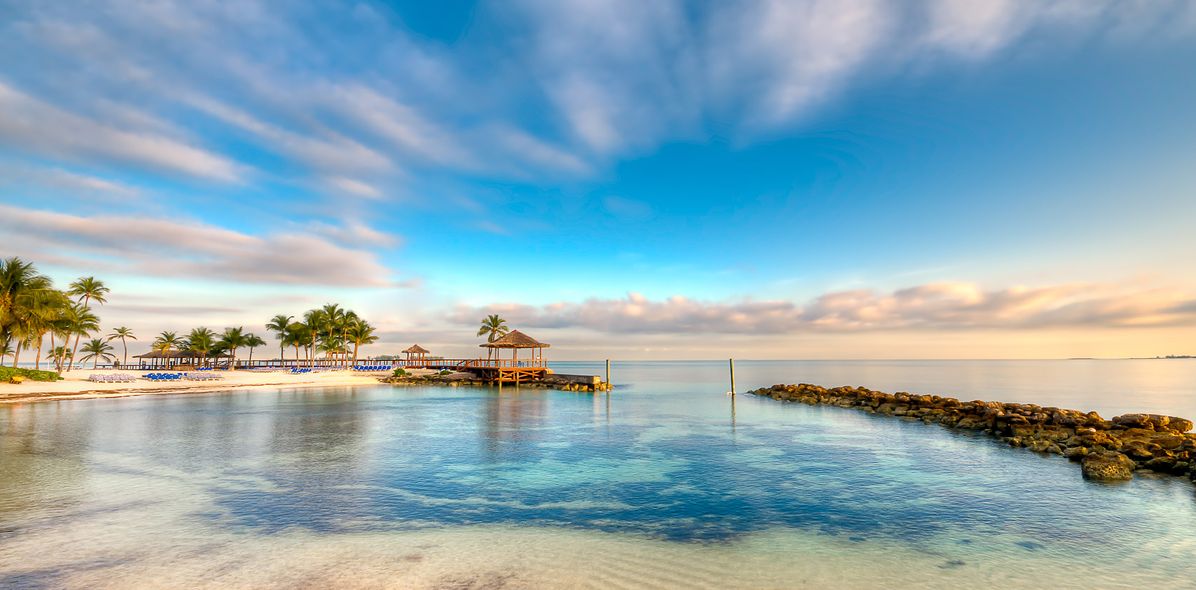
(1107, 450)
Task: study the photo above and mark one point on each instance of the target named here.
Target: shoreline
(1107, 450)
(75, 386)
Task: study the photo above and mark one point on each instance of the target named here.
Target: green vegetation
(493, 327)
(400, 373)
(7, 373)
(32, 309)
(124, 334)
(329, 329)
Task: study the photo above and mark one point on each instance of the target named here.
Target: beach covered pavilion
(416, 355)
(515, 341)
(179, 357)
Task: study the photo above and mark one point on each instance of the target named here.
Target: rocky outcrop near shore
(1107, 450)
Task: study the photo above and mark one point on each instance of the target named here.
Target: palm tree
(5, 350)
(16, 278)
(87, 289)
(361, 332)
(164, 343)
(20, 285)
(298, 334)
(231, 340)
(123, 333)
(42, 315)
(493, 327)
(97, 350)
(80, 322)
(59, 355)
(278, 324)
(333, 316)
(202, 341)
(315, 320)
(253, 341)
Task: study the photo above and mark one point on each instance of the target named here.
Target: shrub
(400, 372)
(8, 375)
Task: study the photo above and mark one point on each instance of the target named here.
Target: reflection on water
(669, 480)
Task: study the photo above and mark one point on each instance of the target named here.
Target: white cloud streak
(164, 247)
(40, 127)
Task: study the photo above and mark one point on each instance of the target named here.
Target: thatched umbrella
(515, 340)
(419, 352)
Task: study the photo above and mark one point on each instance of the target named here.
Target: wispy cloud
(612, 77)
(939, 306)
(30, 124)
(65, 180)
(164, 247)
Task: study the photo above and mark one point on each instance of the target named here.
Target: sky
(622, 179)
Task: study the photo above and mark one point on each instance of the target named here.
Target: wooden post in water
(608, 374)
(732, 363)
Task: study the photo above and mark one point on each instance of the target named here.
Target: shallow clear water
(664, 483)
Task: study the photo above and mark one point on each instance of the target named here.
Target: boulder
(1133, 421)
(1108, 466)
(1076, 453)
(1180, 425)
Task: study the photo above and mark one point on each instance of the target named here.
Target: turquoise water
(665, 483)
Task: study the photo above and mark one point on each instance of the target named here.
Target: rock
(1076, 453)
(1133, 421)
(1167, 465)
(1109, 466)
(1180, 425)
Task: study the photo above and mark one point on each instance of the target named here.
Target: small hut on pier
(516, 340)
(417, 356)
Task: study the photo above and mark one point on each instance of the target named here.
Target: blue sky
(786, 179)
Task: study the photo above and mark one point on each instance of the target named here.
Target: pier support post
(732, 364)
(608, 374)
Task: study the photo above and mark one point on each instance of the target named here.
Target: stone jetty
(1107, 450)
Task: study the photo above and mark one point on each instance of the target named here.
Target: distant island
(1137, 358)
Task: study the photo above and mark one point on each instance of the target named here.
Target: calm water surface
(665, 483)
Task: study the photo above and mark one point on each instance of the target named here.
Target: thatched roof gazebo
(416, 353)
(156, 357)
(516, 340)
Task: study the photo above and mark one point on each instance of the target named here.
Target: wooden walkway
(495, 370)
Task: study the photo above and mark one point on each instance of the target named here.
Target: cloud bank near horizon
(934, 306)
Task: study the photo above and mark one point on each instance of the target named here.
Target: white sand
(76, 386)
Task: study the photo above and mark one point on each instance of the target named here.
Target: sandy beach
(75, 385)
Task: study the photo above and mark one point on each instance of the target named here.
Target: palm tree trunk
(37, 362)
(124, 345)
(75, 349)
(355, 345)
(232, 362)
